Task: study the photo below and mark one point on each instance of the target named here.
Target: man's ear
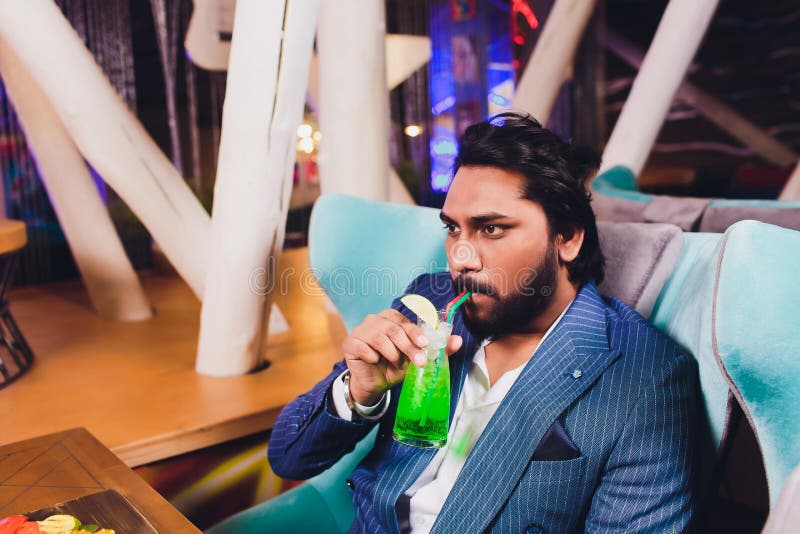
(568, 249)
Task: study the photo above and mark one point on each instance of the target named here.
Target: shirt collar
(504, 383)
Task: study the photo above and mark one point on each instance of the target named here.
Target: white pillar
(267, 77)
(552, 57)
(405, 54)
(398, 193)
(354, 102)
(108, 275)
(675, 43)
(716, 111)
(791, 190)
(107, 133)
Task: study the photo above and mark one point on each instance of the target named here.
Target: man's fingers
(384, 346)
(354, 348)
(391, 335)
(401, 340)
(375, 333)
(453, 344)
(413, 331)
(394, 316)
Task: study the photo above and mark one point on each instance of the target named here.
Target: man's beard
(514, 312)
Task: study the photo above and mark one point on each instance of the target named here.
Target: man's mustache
(463, 283)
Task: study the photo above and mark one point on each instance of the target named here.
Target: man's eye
(451, 228)
(493, 230)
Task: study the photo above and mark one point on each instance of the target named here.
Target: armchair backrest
(365, 253)
(734, 303)
(617, 198)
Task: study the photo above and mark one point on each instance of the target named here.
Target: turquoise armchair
(732, 300)
(617, 198)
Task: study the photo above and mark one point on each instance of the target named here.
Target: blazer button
(534, 529)
(350, 484)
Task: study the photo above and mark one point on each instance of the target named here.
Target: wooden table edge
(169, 445)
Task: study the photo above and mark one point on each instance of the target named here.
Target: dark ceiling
(749, 59)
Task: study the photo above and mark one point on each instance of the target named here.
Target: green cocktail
(423, 411)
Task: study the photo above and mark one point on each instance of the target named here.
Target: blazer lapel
(563, 367)
(408, 463)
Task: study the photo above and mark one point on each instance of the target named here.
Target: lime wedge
(424, 308)
(59, 524)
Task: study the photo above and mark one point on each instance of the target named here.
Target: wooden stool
(15, 354)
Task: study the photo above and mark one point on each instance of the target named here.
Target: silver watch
(347, 398)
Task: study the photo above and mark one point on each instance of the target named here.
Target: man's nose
(464, 257)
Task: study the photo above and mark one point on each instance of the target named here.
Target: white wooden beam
(791, 190)
(107, 134)
(398, 193)
(267, 77)
(675, 43)
(405, 54)
(353, 103)
(113, 287)
(552, 57)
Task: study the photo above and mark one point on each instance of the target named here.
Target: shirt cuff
(367, 413)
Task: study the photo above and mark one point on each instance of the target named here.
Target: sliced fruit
(10, 524)
(423, 307)
(29, 527)
(59, 524)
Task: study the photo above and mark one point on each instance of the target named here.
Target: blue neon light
(441, 181)
(499, 100)
(444, 105)
(444, 147)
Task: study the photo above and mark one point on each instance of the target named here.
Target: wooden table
(47, 470)
(133, 385)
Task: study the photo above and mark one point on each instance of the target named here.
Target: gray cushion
(681, 211)
(684, 212)
(639, 259)
(611, 208)
(721, 214)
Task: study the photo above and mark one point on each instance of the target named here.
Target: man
(570, 412)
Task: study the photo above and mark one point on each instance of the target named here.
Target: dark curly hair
(555, 174)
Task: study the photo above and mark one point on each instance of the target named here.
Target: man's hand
(378, 351)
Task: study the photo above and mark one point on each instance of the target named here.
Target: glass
(423, 411)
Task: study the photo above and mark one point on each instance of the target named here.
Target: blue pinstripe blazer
(632, 411)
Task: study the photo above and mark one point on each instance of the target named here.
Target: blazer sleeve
(308, 436)
(649, 483)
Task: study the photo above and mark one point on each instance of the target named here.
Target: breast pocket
(550, 493)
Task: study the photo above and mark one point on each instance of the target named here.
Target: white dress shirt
(476, 406)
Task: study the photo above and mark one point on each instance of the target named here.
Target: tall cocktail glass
(423, 411)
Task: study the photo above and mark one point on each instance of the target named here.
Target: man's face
(498, 247)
